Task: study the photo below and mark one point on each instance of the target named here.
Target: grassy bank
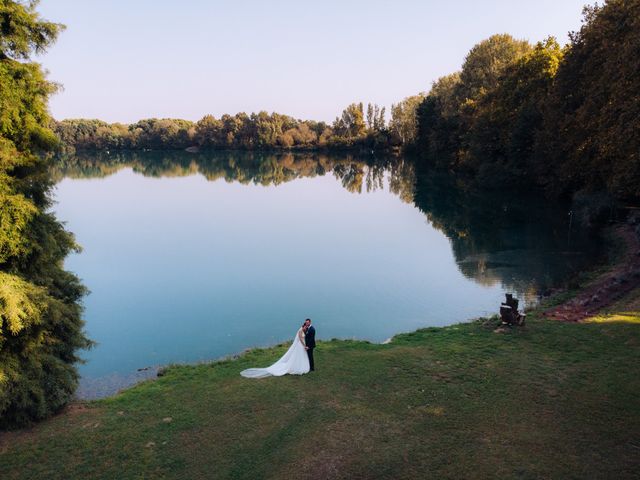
(552, 400)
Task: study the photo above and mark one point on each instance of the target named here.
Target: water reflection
(258, 168)
(521, 241)
(518, 241)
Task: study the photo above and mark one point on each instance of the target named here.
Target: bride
(295, 361)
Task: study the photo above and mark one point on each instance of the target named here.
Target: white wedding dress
(294, 362)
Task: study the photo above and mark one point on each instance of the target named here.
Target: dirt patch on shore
(609, 287)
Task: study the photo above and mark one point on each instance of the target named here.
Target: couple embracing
(298, 360)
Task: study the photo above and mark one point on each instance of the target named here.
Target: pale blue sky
(126, 60)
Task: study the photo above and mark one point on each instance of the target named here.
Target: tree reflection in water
(519, 241)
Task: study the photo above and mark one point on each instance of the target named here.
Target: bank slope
(554, 400)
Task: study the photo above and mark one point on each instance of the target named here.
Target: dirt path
(608, 287)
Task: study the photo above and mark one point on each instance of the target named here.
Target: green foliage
(16, 211)
(375, 118)
(23, 106)
(566, 120)
(22, 31)
(404, 120)
(485, 63)
(40, 314)
(351, 123)
(437, 117)
(258, 131)
(447, 114)
(19, 308)
(501, 137)
(591, 136)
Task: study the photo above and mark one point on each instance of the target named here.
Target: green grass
(551, 400)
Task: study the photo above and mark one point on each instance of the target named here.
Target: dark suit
(310, 341)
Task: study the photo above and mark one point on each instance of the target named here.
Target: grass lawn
(551, 400)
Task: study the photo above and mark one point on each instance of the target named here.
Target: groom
(310, 341)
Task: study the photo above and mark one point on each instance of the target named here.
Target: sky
(125, 60)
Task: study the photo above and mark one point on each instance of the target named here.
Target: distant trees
(564, 119)
(258, 131)
(351, 123)
(375, 118)
(40, 313)
(353, 130)
(161, 134)
(404, 120)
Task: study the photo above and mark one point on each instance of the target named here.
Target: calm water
(192, 257)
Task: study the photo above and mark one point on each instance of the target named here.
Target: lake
(192, 257)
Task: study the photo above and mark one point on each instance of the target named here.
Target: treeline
(565, 119)
(40, 312)
(355, 128)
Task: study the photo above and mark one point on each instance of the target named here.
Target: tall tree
(351, 123)
(447, 114)
(370, 119)
(508, 118)
(40, 314)
(438, 122)
(404, 120)
(486, 61)
(594, 104)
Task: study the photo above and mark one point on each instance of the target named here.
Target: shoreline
(461, 401)
(578, 307)
(540, 401)
(619, 277)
